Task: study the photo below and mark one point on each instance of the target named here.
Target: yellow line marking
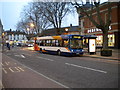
(17, 69)
(4, 70)
(21, 69)
(2, 64)
(11, 70)
(6, 63)
(1, 85)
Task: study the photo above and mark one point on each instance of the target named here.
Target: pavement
(17, 75)
(115, 54)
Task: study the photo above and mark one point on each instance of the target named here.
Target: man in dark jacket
(8, 45)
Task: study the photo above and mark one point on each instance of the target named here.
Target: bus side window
(41, 43)
(65, 43)
(56, 43)
(61, 42)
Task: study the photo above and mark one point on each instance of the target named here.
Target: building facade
(15, 36)
(114, 30)
(1, 27)
(1, 37)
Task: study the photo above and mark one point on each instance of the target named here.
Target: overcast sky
(10, 14)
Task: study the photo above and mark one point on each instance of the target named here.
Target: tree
(100, 23)
(31, 15)
(44, 15)
(54, 12)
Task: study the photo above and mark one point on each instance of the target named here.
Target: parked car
(30, 45)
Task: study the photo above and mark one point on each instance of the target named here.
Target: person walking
(8, 45)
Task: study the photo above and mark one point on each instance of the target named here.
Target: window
(76, 44)
(65, 43)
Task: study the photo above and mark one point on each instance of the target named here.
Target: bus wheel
(59, 52)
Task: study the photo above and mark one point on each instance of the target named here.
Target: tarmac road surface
(61, 72)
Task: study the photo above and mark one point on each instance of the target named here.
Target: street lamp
(3, 41)
(66, 30)
(32, 25)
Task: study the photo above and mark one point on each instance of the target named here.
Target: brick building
(114, 33)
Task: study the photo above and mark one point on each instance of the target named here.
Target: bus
(61, 44)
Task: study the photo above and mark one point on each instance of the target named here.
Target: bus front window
(75, 44)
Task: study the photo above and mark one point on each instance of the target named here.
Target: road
(61, 71)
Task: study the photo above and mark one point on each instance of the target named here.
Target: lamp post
(66, 30)
(32, 25)
(3, 41)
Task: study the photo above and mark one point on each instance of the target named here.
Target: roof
(59, 37)
(73, 28)
(0, 23)
(53, 31)
(14, 32)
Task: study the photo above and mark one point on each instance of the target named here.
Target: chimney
(70, 25)
(10, 30)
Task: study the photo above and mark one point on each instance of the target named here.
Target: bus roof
(59, 37)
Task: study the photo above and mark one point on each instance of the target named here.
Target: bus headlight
(71, 50)
(82, 50)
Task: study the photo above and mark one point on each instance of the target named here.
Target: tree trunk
(105, 39)
(58, 31)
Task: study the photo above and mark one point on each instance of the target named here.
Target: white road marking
(47, 77)
(86, 68)
(2, 64)
(1, 85)
(17, 55)
(17, 69)
(11, 70)
(7, 63)
(22, 56)
(42, 75)
(4, 70)
(20, 68)
(46, 58)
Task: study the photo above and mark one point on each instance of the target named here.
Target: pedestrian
(8, 45)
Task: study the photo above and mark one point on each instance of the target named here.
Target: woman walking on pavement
(8, 45)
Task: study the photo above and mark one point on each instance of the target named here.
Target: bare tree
(41, 22)
(54, 12)
(32, 15)
(99, 23)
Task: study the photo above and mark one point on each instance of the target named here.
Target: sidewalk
(16, 75)
(115, 54)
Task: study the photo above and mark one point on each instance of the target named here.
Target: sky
(10, 14)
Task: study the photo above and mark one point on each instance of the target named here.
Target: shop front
(111, 40)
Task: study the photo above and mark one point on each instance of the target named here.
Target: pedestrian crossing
(9, 67)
